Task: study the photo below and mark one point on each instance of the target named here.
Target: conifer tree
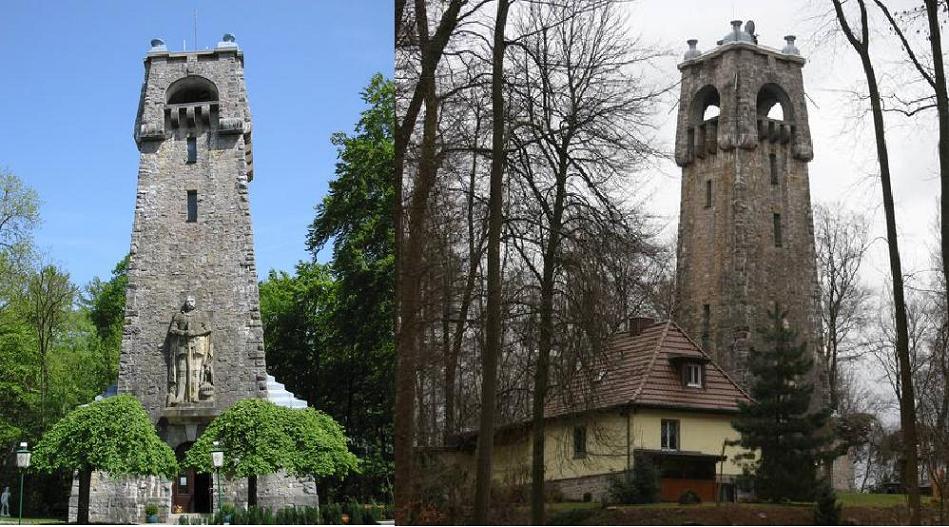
(778, 424)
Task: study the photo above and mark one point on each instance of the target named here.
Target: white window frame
(693, 375)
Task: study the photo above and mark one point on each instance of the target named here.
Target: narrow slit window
(192, 150)
(777, 230)
(774, 169)
(706, 324)
(192, 206)
(580, 442)
(708, 194)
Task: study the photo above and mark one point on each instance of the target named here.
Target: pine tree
(778, 424)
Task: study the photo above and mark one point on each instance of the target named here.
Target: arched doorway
(191, 491)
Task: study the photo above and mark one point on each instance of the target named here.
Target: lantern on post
(22, 462)
(217, 459)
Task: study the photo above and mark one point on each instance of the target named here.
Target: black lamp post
(22, 462)
(217, 459)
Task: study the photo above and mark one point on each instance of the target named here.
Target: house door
(191, 491)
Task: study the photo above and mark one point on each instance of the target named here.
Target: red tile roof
(642, 370)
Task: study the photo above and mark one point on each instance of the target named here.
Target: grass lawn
(860, 499)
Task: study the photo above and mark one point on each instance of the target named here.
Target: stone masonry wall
(727, 258)
(212, 258)
(123, 499)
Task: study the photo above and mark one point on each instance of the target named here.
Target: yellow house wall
(607, 443)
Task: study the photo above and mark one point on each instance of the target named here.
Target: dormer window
(693, 375)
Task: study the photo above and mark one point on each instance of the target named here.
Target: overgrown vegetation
(637, 486)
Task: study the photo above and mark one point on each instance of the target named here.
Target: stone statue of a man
(5, 503)
(190, 375)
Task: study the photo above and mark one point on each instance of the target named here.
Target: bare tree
(861, 46)
(841, 239)
(584, 116)
(492, 347)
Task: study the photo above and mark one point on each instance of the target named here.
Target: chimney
(638, 324)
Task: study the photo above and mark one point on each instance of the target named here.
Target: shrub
(332, 514)
(641, 485)
(826, 508)
(689, 497)
(151, 509)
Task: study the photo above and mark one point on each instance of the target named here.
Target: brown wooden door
(182, 490)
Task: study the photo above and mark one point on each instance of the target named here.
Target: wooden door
(182, 490)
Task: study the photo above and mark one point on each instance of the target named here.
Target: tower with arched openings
(192, 342)
(746, 239)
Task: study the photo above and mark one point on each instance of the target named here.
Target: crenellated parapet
(741, 81)
(190, 93)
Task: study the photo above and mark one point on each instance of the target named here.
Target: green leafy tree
(259, 438)
(106, 310)
(328, 329)
(789, 438)
(47, 302)
(114, 435)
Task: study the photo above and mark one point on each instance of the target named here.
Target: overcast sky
(844, 168)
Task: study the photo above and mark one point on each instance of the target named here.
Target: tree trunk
(85, 481)
(942, 110)
(251, 491)
(544, 345)
(492, 347)
(907, 395)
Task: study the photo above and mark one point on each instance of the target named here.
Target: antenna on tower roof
(194, 25)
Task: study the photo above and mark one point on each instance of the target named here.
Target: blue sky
(71, 76)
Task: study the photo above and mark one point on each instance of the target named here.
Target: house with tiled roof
(651, 392)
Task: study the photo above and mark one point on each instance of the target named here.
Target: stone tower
(746, 237)
(193, 341)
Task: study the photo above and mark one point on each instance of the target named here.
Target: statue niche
(190, 356)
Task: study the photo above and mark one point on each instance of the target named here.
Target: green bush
(641, 485)
(332, 514)
(689, 497)
(151, 509)
(826, 507)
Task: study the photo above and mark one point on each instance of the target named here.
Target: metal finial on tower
(692, 52)
(790, 48)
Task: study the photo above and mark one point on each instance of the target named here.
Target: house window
(693, 375)
(708, 194)
(580, 442)
(777, 230)
(192, 150)
(670, 434)
(774, 169)
(192, 206)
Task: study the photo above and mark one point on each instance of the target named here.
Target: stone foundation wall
(574, 489)
(123, 499)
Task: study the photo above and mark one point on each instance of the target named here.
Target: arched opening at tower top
(773, 103)
(192, 89)
(705, 105)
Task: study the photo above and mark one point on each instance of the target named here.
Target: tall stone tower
(193, 341)
(746, 239)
